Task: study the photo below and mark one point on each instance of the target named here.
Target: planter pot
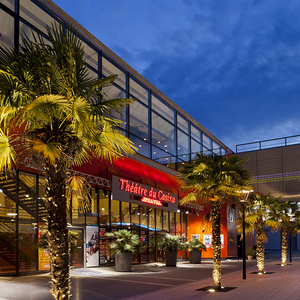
(250, 257)
(195, 256)
(171, 258)
(124, 262)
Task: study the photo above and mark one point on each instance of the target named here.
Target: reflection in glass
(36, 16)
(166, 221)
(163, 134)
(125, 215)
(196, 133)
(172, 223)
(143, 147)
(162, 109)
(206, 142)
(103, 209)
(139, 124)
(109, 69)
(135, 216)
(92, 214)
(159, 220)
(163, 157)
(138, 91)
(216, 148)
(115, 213)
(183, 143)
(182, 123)
(7, 29)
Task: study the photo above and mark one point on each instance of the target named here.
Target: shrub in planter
(195, 250)
(123, 245)
(250, 253)
(171, 244)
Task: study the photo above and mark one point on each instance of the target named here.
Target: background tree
(256, 214)
(52, 111)
(214, 178)
(285, 217)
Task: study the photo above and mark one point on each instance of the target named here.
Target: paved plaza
(155, 281)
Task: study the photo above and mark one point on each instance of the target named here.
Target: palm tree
(214, 178)
(53, 112)
(256, 214)
(284, 216)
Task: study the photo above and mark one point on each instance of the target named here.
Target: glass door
(76, 237)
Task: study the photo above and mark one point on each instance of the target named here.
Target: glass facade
(22, 225)
(160, 132)
(169, 138)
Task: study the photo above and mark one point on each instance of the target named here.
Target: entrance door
(76, 236)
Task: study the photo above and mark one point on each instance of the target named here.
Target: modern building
(275, 168)
(166, 138)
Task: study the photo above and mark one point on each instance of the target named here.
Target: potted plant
(123, 245)
(195, 248)
(171, 244)
(250, 253)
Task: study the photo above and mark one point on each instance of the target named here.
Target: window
(162, 109)
(7, 29)
(163, 157)
(113, 92)
(163, 134)
(182, 123)
(183, 143)
(109, 69)
(143, 147)
(139, 124)
(196, 133)
(216, 148)
(138, 91)
(35, 15)
(90, 55)
(10, 4)
(206, 142)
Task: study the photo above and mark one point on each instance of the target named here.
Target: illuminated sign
(134, 192)
(151, 201)
(135, 188)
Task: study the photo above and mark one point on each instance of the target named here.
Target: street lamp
(246, 194)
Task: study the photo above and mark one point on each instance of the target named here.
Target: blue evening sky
(234, 66)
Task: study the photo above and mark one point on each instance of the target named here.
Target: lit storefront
(139, 193)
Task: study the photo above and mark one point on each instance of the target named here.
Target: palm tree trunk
(216, 242)
(260, 247)
(56, 205)
(284, 245)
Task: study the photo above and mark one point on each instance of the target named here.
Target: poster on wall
(222, 240)
(92, 246)
(195, 236)
(44, 263)
(207, 241)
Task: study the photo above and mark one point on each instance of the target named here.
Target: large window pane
(159, 220)
(27, 222)
(139, 124)
(143, 147)
(183, 143)
(216, 148)
(90, 55)
(10, 4)
(163, 157)
(109, 69)
(196, 133)
(125, 215)
(115, 213)
(8, 217)
(195, 148)
(7, 29)
(182, 123)
(92, 214)
(166, 221)
(35, 15)
(163, 134)
(206, 142)
(103, 209)
(138, 91)
(162, 109)
(152, 218)
(135, 216)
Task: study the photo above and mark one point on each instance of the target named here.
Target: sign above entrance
(131, 191)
